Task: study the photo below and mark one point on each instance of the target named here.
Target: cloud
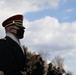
(48, 34)
(9, 8)
(69, 10)
(49, 31)
(23, 6)
(66, 67)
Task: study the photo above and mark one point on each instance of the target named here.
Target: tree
(58, 61)
(44, 54)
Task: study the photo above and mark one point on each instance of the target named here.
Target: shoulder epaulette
(2, 38)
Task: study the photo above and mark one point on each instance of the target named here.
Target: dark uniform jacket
(12, 59)
(38, 68)
(50, 71)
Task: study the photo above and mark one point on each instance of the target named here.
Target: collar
(13, 37)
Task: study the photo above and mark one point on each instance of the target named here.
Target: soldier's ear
(12, 30)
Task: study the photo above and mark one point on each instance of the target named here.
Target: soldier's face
(19, 32)
(38, 57)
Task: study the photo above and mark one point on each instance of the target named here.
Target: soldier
(38, 68)
(12, 57)
(60, 71)
(50, 69)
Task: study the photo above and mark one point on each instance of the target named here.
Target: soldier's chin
(21, 37)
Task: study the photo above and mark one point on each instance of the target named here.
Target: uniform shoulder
(2, 39)
(2, 42)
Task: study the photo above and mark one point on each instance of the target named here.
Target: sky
(50, 27)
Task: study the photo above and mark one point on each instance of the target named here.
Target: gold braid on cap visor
(14, 22)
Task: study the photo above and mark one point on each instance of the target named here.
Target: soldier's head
(38, 57)
(50, 64)
(14, 25)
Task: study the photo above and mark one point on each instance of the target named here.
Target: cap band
(13, 22)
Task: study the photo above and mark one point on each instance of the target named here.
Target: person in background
(12, 57)
(50, 69)
(38, 68)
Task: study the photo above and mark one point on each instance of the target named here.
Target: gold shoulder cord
(2, 38)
